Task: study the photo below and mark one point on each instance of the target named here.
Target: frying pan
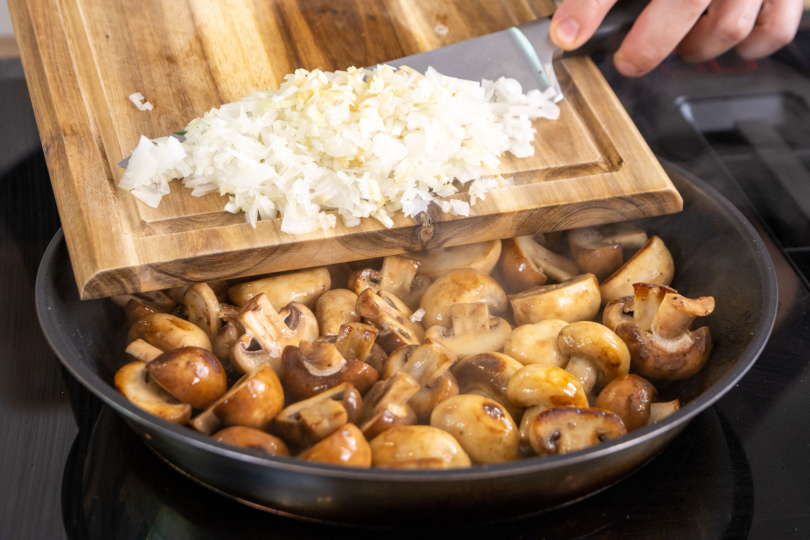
(716, 253)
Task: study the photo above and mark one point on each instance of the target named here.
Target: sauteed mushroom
(488, 375)
(203, 308)
(482, 256)
(311, 368)
(392, 317)
(335, 308)
(305, 286)
(600, 250)
(134, 382)
(246, 437)
(536, 343)
(307, 422)
(253, 401)
(560, 431)
(191, 374)
(158, 301)
(141, 350)
(633, 399)
(481, 426)
(223, 341)
(357, 340)
(220, 288)
(525, 263)
(167, 332)
(417, 447)
(652, 264)
(472, 330)
(386, 404)
(398, 277)
(347, 446)
(460, 287)
(596, 355)
(571, 301)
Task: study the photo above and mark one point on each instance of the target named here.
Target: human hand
(756, 28)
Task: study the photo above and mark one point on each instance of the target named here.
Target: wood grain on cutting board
(83, 58)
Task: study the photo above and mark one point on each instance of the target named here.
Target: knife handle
(610, 34)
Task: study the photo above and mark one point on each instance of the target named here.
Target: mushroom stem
(143, 351)
(677, 312)
(470, 318)
(659, 411)
(647, 299)
(355, 340)
(322, 358)
(585, 371)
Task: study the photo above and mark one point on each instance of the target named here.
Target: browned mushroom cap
(391, 317)
(472, 330)
(158, 301)
(307, 422)
(191, 374)
(670, 350)
(347, 446)
(618, 311)
(134, 382)
(525, 263)
(460, 287)
(630, 397)
(481, 426)
(398, 277)
(659, 411)
(596, 355)
(141, 350)
(386, 404)
(167, 332)
(268, 332)
(246, 437)
(311, 368)
(488, 375)
(417, 447)
(136, 309)
(356, 340)
(335, 308)
(600, 250)
(560, 431)
(651, 264)
(253, 401)
(482, 256)
(536, 343)
(304, 286)
(571, 301)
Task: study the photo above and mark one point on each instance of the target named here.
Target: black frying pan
(716, 252)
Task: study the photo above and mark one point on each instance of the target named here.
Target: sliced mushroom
(481, 426)
(643, 305)
(178, 294)
(386, 404)
(191, 374)
(596, 355)
(472, 330)
(482, 256)
(651, 264)
(488, 375)
(600, 250)
(525, 263)
(141, 350)
(134, 382)
(253, 401)
(167, 332)
(460, 287)
(560, 431)
(536, 343)
(335, 308)
(311, 368)
(571, 301)
(223, 341)
(357, 341)
(268, 332)
(417, 447)
(634, 398)
(391, 317)
(307, 422)
(398, 277)
(203, 308)
(669, 350)
(304, 286)
(347, 446)
(246, 437)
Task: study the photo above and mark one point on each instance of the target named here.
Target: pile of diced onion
(357, 143)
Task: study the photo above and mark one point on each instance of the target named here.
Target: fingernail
(567, 31)
(623, 66)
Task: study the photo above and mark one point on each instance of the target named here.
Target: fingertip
(624, 66)
(564, 33)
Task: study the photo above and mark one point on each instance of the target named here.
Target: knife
(524, 53)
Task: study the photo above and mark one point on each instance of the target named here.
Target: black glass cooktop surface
(70, 468)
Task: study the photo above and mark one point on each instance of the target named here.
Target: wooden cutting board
(83, 58)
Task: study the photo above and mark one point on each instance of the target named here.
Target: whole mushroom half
(167, 332)
(482, 256)
(398, 277)
(488, 375)
(460, 287)
(191, 374)
(393, 318)
(536, 343)
(634, 399)
(246, 437)
(307, 422)
(525, 263)
(652, 263)
(481, 426)
(135, 384)
(600, 250)
(304, 286)
(357, 341)
(386, 404)
(596, 355)
(347, 446)
(570, 301)
(472, 330)
(417, 447)
(560, 431)
(335, 308)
